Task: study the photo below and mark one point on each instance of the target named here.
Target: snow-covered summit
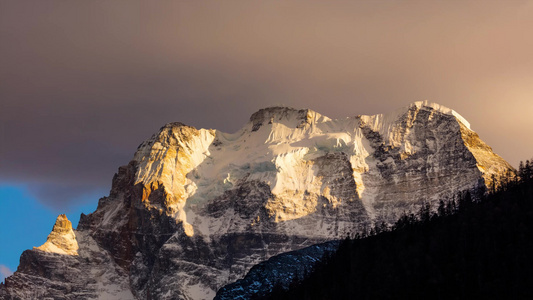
(289, 116)
(384, 121)
(442, 109)
(197, 208)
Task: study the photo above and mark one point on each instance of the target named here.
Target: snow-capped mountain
(195, 209)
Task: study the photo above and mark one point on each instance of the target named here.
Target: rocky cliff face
(196, 209)
(69, 265)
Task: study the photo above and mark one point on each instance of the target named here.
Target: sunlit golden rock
(62, 239)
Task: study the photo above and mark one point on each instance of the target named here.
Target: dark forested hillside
(479, 246)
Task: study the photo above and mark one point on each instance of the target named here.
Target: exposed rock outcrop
(195, 209)
(62, 239)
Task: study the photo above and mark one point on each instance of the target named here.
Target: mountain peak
(196, 208)
(62, 239)
(281, 114)
(440, 108)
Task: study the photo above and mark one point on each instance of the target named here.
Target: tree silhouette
(478, 245)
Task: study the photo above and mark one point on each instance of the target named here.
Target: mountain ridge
(195, 209)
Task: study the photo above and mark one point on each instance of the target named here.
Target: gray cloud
(84, 83)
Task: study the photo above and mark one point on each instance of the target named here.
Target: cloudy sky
(82, 83)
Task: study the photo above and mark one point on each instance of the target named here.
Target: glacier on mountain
(195, 209)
